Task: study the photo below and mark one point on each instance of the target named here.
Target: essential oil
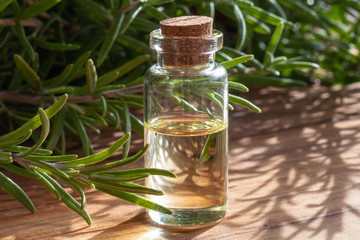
(196, 151)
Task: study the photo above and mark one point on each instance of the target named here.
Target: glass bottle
(186, 122)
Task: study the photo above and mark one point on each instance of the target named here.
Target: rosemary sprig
(69, 169)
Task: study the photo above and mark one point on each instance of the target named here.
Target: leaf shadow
(297, 163)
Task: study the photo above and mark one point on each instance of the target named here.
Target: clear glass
(186, 120)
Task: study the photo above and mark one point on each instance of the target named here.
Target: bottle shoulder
(215, 72)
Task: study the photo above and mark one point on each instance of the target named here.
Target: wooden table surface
(294, 174)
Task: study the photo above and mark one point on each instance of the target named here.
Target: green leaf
(68, 199)
(62, 76)
(109, 88)
(235, 53)
(278, 60)
(91, 76)
(16, 8)
(114, 118)
(266, 16)
(132, 97)
(267, 81)
(222, 57)
(230, 107)
(51, 168)
(219, 96)
(98, 157)
(109, 3)
(151, 171)
(18, 170)
(76, 67)
(238, 86)
(93, 10)
(130, 16)
(268, 59)
(81, 132)
(56, 46)
(110, 37)
(296, 65)
(115, 164)
(236, 61)
(44, 133)
(204, 156)
(35, 122)
(299, 6)
(135, 105)
(243, 102)
(20, 33)
(137, 125)
(38, 151)
(14, 190)
(122, 70)
(46, 183)
(78, 190)
(209, 9)
(273, 42)
(272, 71)
(37, 8)
(156, 2)
(201, 105)
(97, 118)
(17, 141)
(104, 104)
(52, 158)
(133, 43)
(257, 25)
(123, 178)
(245, 3)
(57, 90)
(75, 186)
(278, 8)
(170, 94)
(241, 26)
(57, 129)
(77, 108)
(154, 12)
(5, 39)
(125, 116)
(5, 154)
(133, 198)
(207, 93)
(6, 160)
(144, 25)
(91, 127)
(127, 187)
(4, 4)
(28, 73)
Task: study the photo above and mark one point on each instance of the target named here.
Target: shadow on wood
(296, 168)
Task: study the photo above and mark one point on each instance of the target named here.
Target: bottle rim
(186, 45)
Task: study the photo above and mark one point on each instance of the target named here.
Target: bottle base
(190, 218)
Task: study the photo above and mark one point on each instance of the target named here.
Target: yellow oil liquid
(195, 149)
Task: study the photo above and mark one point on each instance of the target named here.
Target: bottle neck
(189, 63)
(189, 55)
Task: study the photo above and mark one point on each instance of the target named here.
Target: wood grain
(294, 174)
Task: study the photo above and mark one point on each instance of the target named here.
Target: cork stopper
(187, 26)
(184, 44)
